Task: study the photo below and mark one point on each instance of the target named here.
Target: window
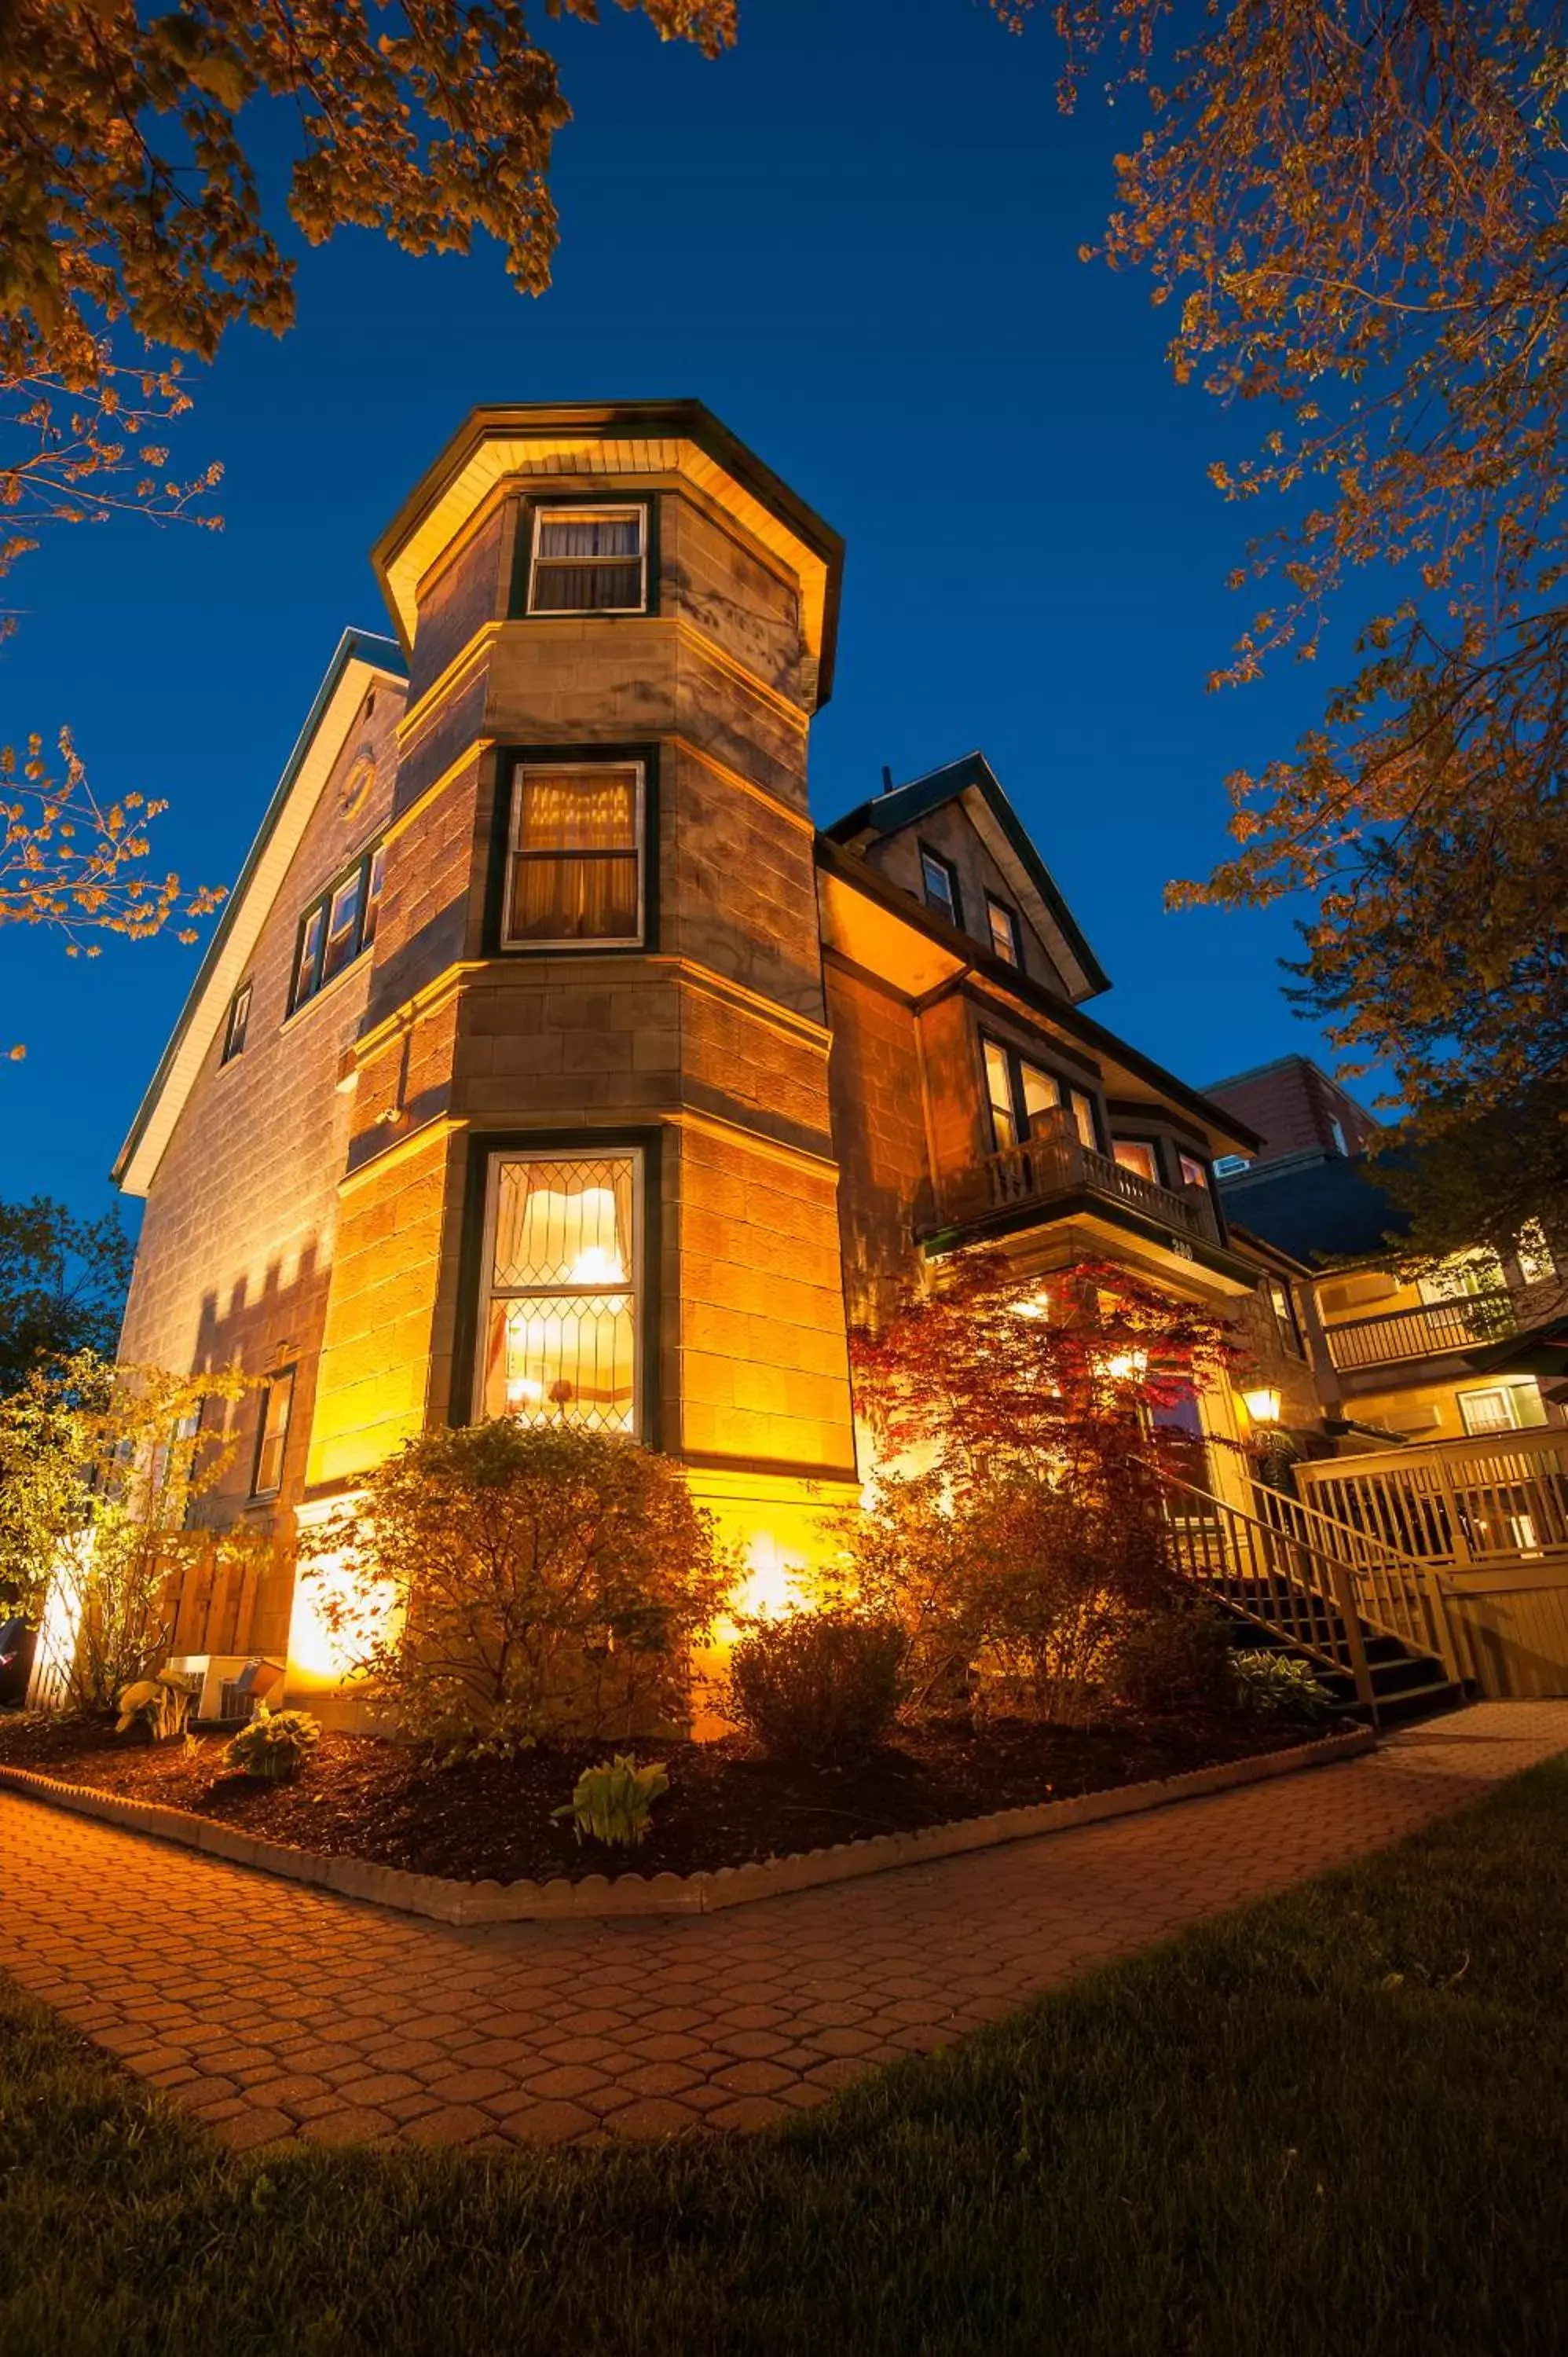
(1282, 1301)
(1489, 1411)
(335, 930)
(589, 560)
(1003, 925)
(1194, 1173)
(558, 1344)
(938, 879)
(271, 1434)
(1137, 1155)
(1018, 1092)
(1464, 1276)
(239, 1021)
(577, 855)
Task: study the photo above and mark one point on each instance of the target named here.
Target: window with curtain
(1137, 1155)
(577, 855)
(589, 560)
(559, 1328)
(1017, 1091)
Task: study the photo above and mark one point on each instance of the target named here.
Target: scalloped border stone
(667, 1894)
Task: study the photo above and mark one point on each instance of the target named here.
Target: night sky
(856, 239)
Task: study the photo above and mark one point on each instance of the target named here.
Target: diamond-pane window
(560, 1328)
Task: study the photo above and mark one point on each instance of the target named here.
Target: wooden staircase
(1373, 1624)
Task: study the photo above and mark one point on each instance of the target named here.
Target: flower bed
(491, 1820)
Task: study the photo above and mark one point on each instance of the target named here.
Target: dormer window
(589, 560)
(938, 881)
(238, 1024)
(1004, 924)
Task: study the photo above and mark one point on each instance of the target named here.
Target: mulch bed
(486, 1819)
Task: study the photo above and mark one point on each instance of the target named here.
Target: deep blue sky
(856, 239)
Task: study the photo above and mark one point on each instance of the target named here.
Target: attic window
(1003, 924)
(938, 881)
(237, 1025)
(589, 560)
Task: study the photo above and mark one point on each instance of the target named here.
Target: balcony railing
(1054, 1162)
(1423, 1332)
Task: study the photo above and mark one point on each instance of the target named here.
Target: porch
(1425, 1332)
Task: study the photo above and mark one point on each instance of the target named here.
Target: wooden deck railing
(1423, 1333)
(1053, 1161)
(1475, 1504)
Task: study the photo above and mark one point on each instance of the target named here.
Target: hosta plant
(1281, 1683)
(614, 1801)
(157, 1706)
(275, 1746)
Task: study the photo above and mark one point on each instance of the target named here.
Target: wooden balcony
(1425, 1333)
(1054, 1164)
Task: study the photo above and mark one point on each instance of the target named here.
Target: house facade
(549, 1059)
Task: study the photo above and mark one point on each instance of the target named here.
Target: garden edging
(667, 1894)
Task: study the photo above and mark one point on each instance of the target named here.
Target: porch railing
(1053, 1161)
(1477, 1505)
(1316, 1582)
(1423, 1333)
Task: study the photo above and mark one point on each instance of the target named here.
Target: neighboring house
(548, 1060)
(1464, 1352)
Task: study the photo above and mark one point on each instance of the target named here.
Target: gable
(359, 660)
(962, 812)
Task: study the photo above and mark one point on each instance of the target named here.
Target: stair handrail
(1292, 1616)
(1433, 1625)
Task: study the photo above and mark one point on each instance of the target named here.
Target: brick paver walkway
(273, 2010)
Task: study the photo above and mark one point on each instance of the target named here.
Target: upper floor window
(1004, 924)
(271, 1434)
(1536, 1264)
(1194, 1173)
(1139, 1155)
(1019, 1092)
(558, 1328)
(238, 1024)
(588, 560)
(939, 881)
(335, 929)
(576, 854)
(1282, 1301)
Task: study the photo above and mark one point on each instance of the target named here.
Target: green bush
(613, 1801)
(275, 1746)
(544, 1581)
(1281, 1683)
(818, 1685)
(1178, 1658)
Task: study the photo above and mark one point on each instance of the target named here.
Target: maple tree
(1358, 212)
(1022, 1427)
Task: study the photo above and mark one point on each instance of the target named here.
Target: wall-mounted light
(1262, 1405)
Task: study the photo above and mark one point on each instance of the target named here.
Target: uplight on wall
(1262, 1405)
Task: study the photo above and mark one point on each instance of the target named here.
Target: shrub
(158, 1708)
(1281, 1683)
(613, 1801)
(1177, 1658)
(818, 1685)
(275, 1746)
(508, 1582)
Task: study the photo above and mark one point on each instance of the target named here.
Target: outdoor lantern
(1262, 1405)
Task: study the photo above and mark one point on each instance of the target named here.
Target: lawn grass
(1337, 2121)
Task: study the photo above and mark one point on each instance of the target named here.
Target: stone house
(548, 1058)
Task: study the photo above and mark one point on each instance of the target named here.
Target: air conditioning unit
(233, 1684)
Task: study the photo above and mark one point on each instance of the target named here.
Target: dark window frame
(1070, 1087)
(518, 608)
(1292, 1336)
(925, 851)
(510, 759)
(280, 1375)
(1153, 1142)
(238, 1020)
(540, 511)
(321, 906)
(462, 1405)
(996, 905)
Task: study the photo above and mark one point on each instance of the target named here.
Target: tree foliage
(99, 1465)
(1358, 211)
(1018, 1534)
(499, 1583)
(62, 1286)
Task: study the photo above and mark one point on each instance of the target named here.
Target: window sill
(328, 990)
